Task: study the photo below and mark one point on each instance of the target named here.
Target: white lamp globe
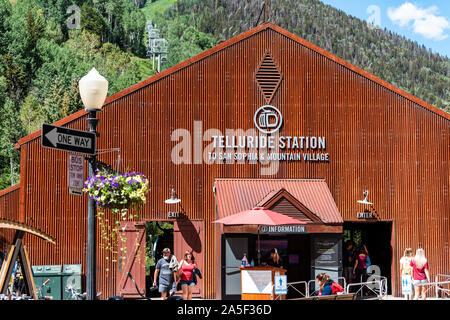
(93, 90)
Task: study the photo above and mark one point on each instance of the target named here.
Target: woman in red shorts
(185, 268)
(421, 275)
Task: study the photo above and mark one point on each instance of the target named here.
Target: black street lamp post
(91, 252)
(93, 91)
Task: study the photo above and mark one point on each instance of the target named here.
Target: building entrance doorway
(159, 235)
(294, 250)
(376, 236)
(179, 236)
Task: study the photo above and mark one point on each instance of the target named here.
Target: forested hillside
(391, 57)
(46, 47)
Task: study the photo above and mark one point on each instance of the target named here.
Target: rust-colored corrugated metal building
(9, 207)
(365, 134)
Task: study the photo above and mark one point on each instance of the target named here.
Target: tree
(10, 131)
(5, 12)
(31, 114)
(15, 78)
(93, 22)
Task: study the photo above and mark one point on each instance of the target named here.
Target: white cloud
(425, 22)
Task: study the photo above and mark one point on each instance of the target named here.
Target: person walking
(368, 262)
(186, 275)
(167, 277)
(406, 270)
(421, 274)
(360, 268)
(348, 261)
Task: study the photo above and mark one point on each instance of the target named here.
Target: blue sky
(425, 21)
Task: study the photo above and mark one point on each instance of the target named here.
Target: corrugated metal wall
(9, 209)
(377, 140)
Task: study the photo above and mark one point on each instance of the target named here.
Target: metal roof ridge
(9, 189)
(156, 77)
(362, 72)
(232, 41)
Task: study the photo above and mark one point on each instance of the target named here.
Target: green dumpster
(71, 278)
(53, 287)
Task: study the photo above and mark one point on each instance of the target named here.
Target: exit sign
(173, 215)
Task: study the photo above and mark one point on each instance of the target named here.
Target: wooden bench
(346, 296)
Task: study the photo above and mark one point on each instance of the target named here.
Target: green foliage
(31, 114)
(154, 7)
(93, 22)
(184, 39)
(15, 78)
(41, 62)
(153, 230)
(10, 131)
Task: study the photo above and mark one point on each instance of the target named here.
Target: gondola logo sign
(268, 119)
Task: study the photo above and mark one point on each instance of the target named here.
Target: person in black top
(348, 261)
(275, 259)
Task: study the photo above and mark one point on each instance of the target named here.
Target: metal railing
(307, 284)
(337, 279)
(371, 286)
(439, 287)
(292, 285)
(378, 286)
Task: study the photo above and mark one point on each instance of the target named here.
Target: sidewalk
(390, 297)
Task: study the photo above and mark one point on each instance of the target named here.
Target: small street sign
(68, 139)
(406, 284)
(280, 284)
(75, 176)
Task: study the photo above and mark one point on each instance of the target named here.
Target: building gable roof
(310, 196)
(282, 201)
(228, 43)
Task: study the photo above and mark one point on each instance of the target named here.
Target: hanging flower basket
(120, 193)
(117, 191)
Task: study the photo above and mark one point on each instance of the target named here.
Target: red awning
(308, 200)
(259, 216)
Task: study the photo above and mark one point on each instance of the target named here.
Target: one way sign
(68, 139)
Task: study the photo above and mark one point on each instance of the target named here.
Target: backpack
(336, 288)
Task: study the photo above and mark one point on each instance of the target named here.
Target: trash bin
(53, 287)
(71, 277)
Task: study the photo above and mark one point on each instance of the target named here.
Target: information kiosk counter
(257, 283)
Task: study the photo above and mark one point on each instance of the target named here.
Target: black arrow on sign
(68, 139)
